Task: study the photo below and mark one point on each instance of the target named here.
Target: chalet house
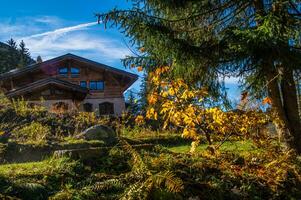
(70, 82)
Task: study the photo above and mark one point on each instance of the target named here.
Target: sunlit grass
(45, 167)
(240, 147)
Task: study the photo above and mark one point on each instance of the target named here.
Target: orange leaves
(140, 68)
(152, 98)
(267, 100)
(142, 49)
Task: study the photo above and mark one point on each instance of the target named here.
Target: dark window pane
(88, 107)
(63, 71)
(99, 85)
(106, 108)
(83, 84)
(74, 71)
(92, 85)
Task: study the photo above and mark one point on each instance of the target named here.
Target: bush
(35, 132)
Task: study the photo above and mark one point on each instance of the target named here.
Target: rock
(99, 132)
(83, 154)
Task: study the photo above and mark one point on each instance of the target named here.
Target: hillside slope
(10, 58)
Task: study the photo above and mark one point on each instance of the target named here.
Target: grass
(72, 140)
(241, 147)
(45, 167)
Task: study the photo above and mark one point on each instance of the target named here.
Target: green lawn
(45, 167)
(240, 147)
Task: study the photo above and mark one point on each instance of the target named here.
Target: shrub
(33, 133)
(23, 108)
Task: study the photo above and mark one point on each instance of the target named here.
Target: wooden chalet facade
(70, 82)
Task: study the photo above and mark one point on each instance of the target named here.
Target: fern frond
(170, 181)
(138, 163)
(107, 185)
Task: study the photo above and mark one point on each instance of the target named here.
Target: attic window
(63, 71)
(74, 71)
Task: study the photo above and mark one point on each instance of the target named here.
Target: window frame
(88, 107)
(106, 108)
(75, 74)
(96, 88)
(63, 74)
(86, 84)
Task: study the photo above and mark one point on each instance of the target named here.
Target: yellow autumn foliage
(180, 106)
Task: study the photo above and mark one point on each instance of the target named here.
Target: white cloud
(50, 20)
(54, 45)
(61, 31)
(75, 39)
(231, 80)
(17, 27)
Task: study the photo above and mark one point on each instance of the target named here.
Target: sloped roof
(36, 66)
(46, 82)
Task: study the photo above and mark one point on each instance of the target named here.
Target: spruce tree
(132, 103)
(24, 58)
(256, 40)
(39, 59)
(12, 55)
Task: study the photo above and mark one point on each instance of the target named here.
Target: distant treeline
(13, 55)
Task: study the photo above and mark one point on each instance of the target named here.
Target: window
(74, 71)
(63, 71)
(58, 92)
(83, 84)
(96, 85)
(88, 107)
(45, 93)
(106, 108)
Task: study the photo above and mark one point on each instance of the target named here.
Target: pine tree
(132, 103)
(257, 40)
(24, 59)
(12, 55)
(39, 59)
(12, 43)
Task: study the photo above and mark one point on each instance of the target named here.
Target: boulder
(84, 154)
(99, 132)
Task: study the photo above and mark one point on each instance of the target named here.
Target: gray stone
(99, 132)
(83, 154)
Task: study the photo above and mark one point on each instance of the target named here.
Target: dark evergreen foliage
(12, 57)
(205, 41)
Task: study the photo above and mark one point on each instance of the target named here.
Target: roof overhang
(46, 83)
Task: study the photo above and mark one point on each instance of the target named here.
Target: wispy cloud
(79, 39)
(61, 31)
(50, 20)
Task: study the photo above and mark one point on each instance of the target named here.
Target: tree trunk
(290, 105)
(285, 108)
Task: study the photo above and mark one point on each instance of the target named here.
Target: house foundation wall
(118, 102)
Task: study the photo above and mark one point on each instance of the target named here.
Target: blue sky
(54, 27)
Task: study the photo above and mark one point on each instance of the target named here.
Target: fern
(108, 185)
(143, 180)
